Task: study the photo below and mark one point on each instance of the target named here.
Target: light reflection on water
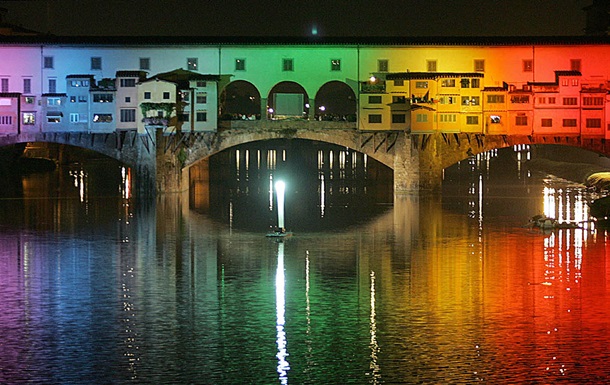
(436, 289)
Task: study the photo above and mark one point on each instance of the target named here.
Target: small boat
(279, 234)
(547, 223)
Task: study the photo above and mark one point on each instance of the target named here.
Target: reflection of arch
(335, 100)
(240, 99)
(288, 99)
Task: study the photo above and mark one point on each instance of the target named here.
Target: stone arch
(283, 99)
(334, 101)
(238, 99)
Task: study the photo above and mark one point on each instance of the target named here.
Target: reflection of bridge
(386, 98)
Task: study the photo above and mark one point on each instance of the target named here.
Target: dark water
(97, 287)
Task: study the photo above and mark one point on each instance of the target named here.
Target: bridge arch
(336, 100)
(240, 99)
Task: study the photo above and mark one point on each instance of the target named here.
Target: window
(102, 98)
(53, 102)
(475, 83)
(375, 118)
(448, 83)
(96, 63)
(145, 63)
(287, 65)
(183, 117)
(27, 86)
(128, 115)
(335, 65)
(202, 116)
(399, 83)
(82, 98)
(130, 82)
(421, 118)
(4, 85)
(72, 99)
(74, 117)
(102, 118)
(495, 119)
(564, 82)
(546, 122)
(192, 63)
(574, 82)
(47, 62)
(53, 117)
(528, 65)
(79, 83)
(127, 99)
(399, 99)
(147, 95)
(520, 99)
(479, 65)
(521, 121)
(374, 99)
(29, 100)
(6, 120)
(431, 65)
(448, 99)
(592, 101)
(202, 84)
(541, 100)
(166, 95)
(382, 65)
(421, 84)
(185, 95)
(201, 98)
(575, 64)
(399, 118)
(594, 123)
(470, 100)
(240, 64)
(552, 100)
(52, 86)
(570, 101)
(472, 119)
(29, 118)
(448, 118)
(569, 122)
(465, 83)
(495, 98)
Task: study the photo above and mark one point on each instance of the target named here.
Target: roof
(353, 41)
(9, 94)
(182, 77)
(431, 75)
(80, 76)
(131, 74)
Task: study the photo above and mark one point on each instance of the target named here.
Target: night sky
(291, 18)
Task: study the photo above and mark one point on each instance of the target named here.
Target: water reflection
(324, 184)
(435, 289)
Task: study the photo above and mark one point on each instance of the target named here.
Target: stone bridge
(161, 162)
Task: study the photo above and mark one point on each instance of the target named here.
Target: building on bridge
(503, 86)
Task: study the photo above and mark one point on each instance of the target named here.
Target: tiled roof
(431, 75)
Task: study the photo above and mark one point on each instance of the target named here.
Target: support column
(264, 109)
(406, 167)
(312, 110)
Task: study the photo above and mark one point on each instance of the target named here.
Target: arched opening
(240, 100)
(335, 101)
(288, 100)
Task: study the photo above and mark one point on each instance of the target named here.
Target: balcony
(372, 88)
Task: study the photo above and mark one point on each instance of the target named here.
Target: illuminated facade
(503, 86)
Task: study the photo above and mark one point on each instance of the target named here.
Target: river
(100, 287)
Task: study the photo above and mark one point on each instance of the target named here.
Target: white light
(280, 187)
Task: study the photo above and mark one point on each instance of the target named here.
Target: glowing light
(280, 187)
(280, 307)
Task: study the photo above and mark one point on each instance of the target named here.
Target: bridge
(416, 105)
(161, 162)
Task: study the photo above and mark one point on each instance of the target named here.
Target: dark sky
(297, 18)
